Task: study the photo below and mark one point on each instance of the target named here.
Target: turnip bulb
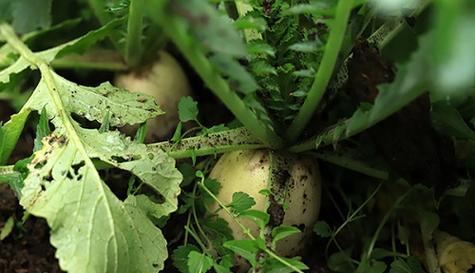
(292, 184)
(166, 81)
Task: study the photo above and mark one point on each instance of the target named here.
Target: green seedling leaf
(259, 217)
(281, 232)
(214, 186)
(177, 134)
(199, 262)
(241, 201)
(9, 134)
(322, 229)
(7, 228)
(248, 249)
(180, 257)
(187, 109)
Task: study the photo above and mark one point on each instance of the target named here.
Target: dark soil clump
(27, 248)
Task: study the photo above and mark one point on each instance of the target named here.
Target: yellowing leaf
(455, 255)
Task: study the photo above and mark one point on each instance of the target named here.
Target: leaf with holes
(91, 228)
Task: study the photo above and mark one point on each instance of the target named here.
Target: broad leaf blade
(92, 229)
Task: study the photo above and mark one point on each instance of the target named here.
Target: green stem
(325, 70)
(133, 42)
(245, 229)
(178, 33)
(214, 143)
(383, 222)
(352, 217)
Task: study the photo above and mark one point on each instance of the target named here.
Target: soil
(27, 248)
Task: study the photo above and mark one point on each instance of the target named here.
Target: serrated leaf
(93, 103)
(251, 22)
(92, 230)
(241, 201)
(187, 109)
(259, 217)
(199, 262)
(322, 229)
(281, 232)
(248, 249)
(180, 257)
(9, 134)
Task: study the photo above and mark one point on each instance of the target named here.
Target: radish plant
(291, 83)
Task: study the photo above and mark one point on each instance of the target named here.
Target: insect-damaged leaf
(91, 228)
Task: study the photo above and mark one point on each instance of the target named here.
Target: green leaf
(180, 257)
(248, 249)
(211, 28)
(231, 68)
(187, 109)
(75, 46)
(214, 186)
(281, 232)
(340, 262)
(448, 121)
(408, 265)
(251, 22)
(322, 229)
(259, 217)
(199, 262)
(29, 15)
(7, 228)
(9, 134)
(92, 230)
(42, 130)
(224, 265)
(275, 266)
(241, 201)
(307, 47)
(411, 81)
(94, 103)
(366, 266)
(429, 222)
